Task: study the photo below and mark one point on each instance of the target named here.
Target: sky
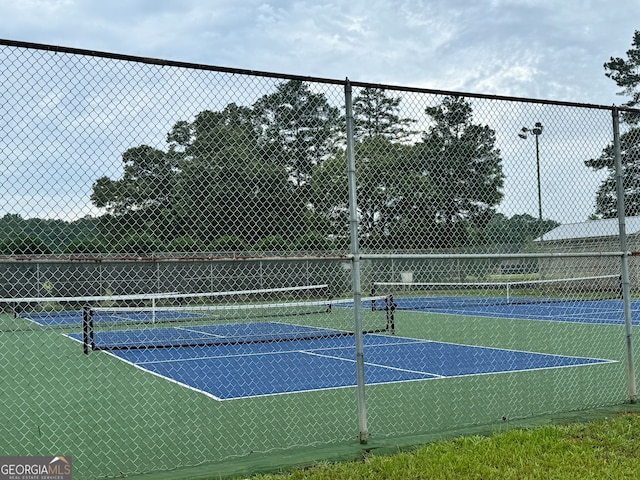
(535, 48)
(546, 49)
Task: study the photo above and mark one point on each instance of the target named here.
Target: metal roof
(591, 229)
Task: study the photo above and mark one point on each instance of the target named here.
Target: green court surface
(113, 418)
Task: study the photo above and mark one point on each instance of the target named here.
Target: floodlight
(537, 129)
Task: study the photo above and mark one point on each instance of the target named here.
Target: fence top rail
(344, 257)
(479, 256)
(259, 73)
(168, 259)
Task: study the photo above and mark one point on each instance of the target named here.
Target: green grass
(602, 449)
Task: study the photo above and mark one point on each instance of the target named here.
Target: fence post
(355, 265)
(625, 255)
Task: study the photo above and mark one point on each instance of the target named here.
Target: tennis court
(286, 353)
(235, 361)
(241, 360)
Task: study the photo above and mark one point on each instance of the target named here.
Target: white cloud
(504, 45)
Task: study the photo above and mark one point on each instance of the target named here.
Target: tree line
(272, 177)
(19, 236)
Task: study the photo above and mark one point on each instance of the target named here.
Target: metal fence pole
(355, 265)
(625, 255)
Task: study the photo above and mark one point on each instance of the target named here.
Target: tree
(23, 245)
(464, 166)
(211, 184)
(298, 127)
(145, 184)
(381, 185)
(211, 131)
(606, 196)
(375, 113)
(140, 199)
(626, 74)
(45, 235)
(224, 189)
(427, 195)
(86, 246)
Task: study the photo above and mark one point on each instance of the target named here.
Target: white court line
(200, 332)
(214, 357)
(388, 367)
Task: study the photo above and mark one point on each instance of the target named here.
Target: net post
(373, 294)
(620, 288)
(91, 330)
(390, 307)
(85, 329)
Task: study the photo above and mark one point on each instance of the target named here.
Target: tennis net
(226, 318)
(445, 295)
(66, 311)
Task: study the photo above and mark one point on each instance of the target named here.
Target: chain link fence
(200, 264)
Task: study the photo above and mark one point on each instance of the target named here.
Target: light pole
(536, 131)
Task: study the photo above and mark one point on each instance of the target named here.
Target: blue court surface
(583, 311)
(236, 371)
